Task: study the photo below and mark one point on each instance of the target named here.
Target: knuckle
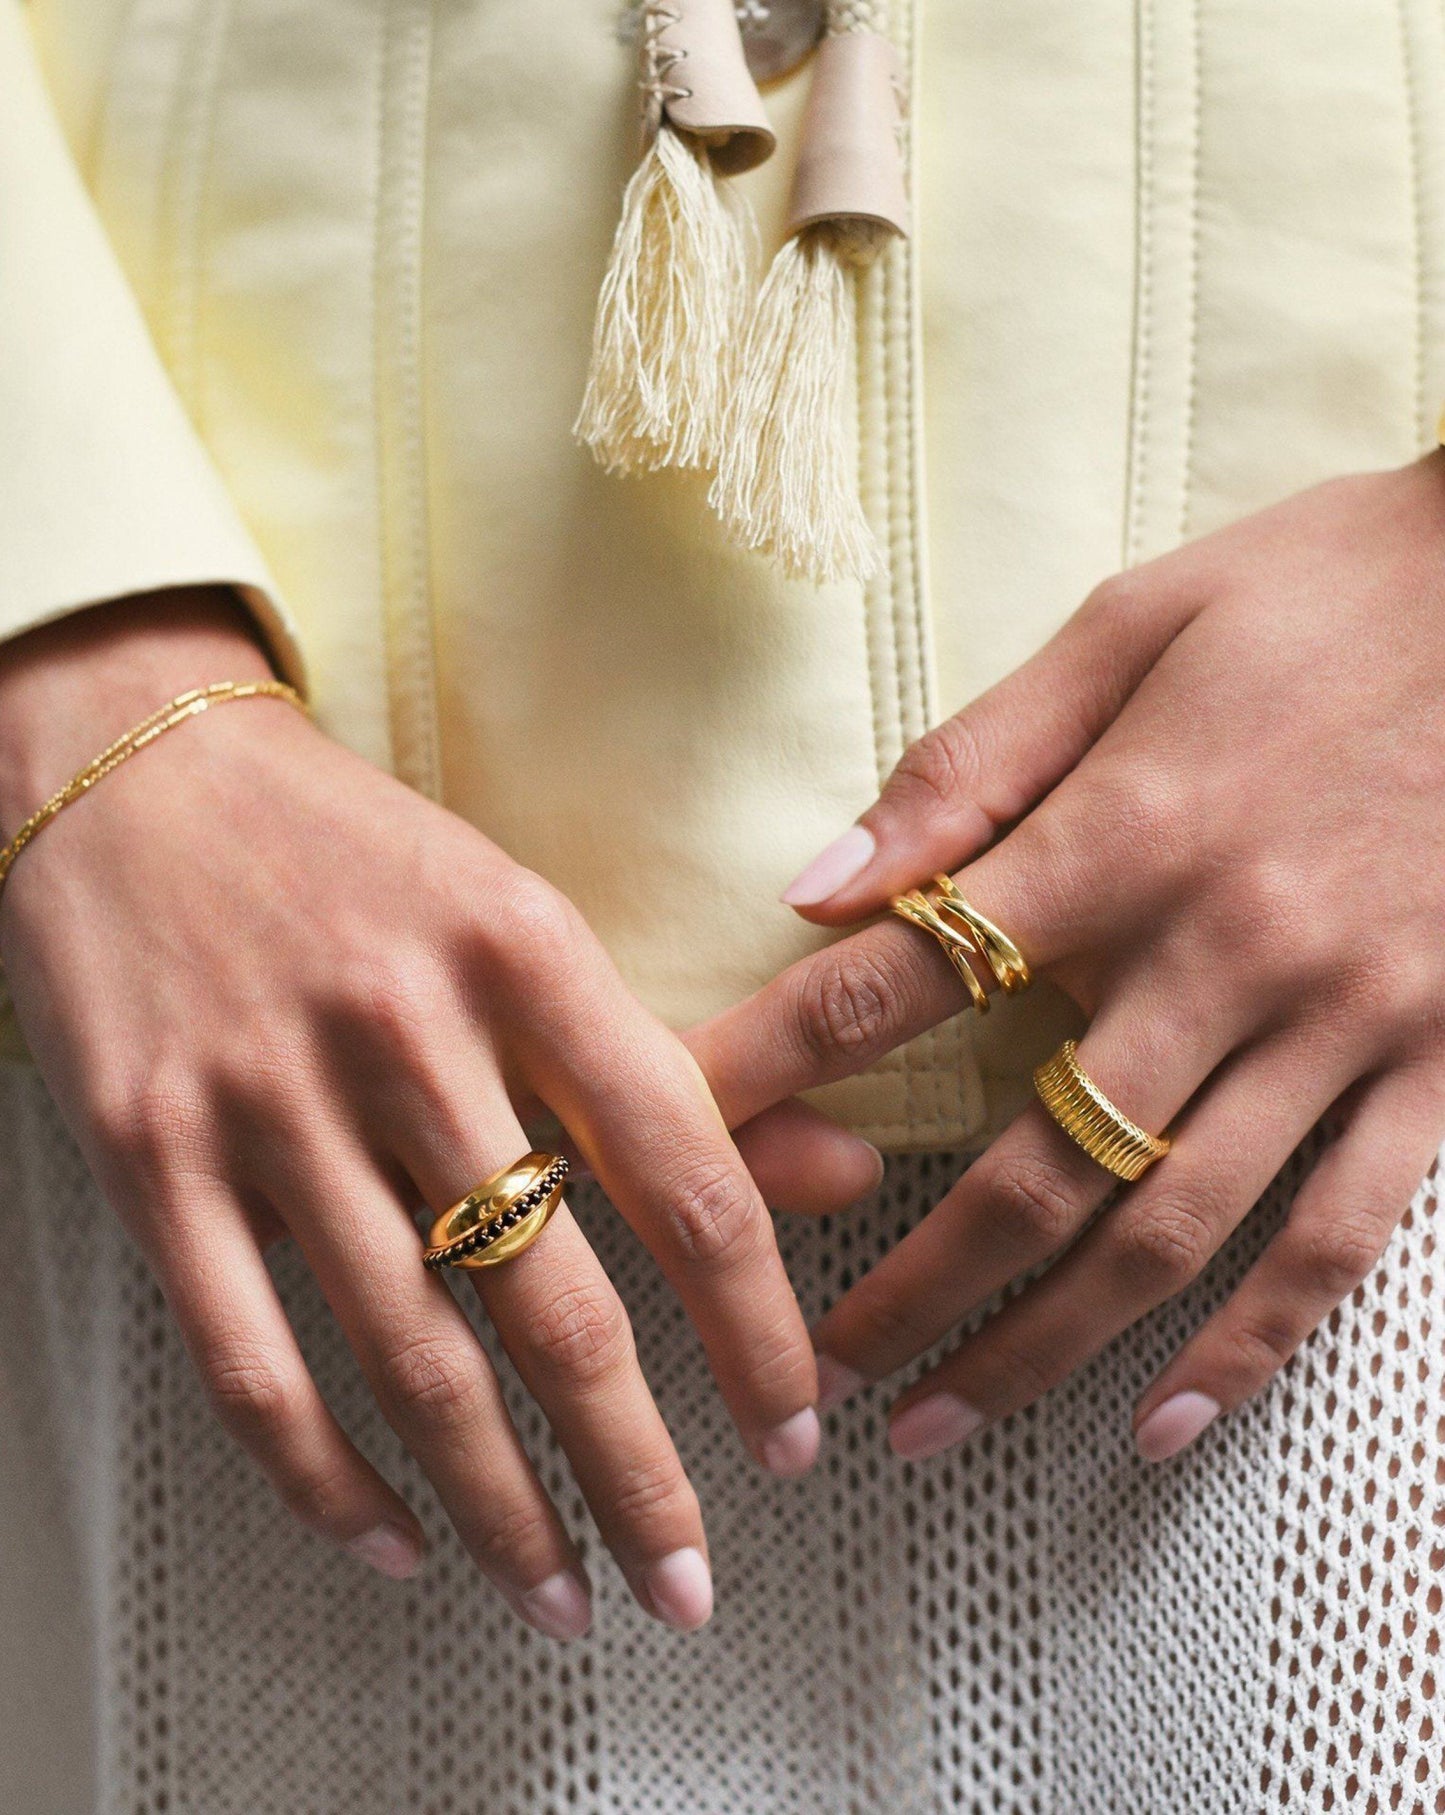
(710, 1216)
(499, 1531)
(250, 1395)
(1023, 1372)
(842, 1008)
(1261, 1348)
(1338, 1252)
(1272, 930)
(149, 1126)
(1037, 1201)
(316, 1495)
(582, 1332)
(428, 1377)
(399, 999)
(1403, 999)
(1165, 1246)
(1150, 808)
(941, 768)
(887, 1327)
(1116, 599)
(653, 1492)
(528, 925)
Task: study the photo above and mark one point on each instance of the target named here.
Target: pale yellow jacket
(296, 294)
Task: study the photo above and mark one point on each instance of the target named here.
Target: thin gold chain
(165, 718)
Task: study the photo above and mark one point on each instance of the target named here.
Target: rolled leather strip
(850, 164)
(710, 93)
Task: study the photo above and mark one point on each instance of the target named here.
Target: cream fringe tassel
(670, 316)
(787, 478)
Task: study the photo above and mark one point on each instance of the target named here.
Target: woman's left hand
(1212, 809)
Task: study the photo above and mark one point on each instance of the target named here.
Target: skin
(1212, 810)
(278, 994)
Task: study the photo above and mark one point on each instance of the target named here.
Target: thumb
(960, 783)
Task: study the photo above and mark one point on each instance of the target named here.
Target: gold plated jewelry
(1087, 1116)
(958, 944)
(1000, 953)
(175, 712)
(964, 933)
(499, 1217)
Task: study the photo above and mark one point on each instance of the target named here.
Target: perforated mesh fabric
(1037, 1622)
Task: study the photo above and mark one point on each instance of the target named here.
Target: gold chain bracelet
(165, 718)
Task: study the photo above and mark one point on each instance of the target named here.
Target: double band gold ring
(499, 1217)
(965, 935)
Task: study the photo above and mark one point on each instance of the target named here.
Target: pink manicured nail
(933, 1424)
(834, 865)
(388, 1551)
(836, 1382)
(679, 1589)
(1175, 1424)
(560, 1607)
(792, 1447)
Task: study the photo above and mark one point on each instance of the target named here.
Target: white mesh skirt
(1037, 1622)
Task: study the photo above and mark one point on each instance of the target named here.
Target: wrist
(68, 688)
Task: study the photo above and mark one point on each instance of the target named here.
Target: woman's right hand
(274, 991)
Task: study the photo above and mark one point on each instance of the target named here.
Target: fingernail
(387, 1550)
(791, 1448)
(834, 865)
(560, 1607)
(933, 1424)
(836, 1382)
(869, 1156)
(1175, 1424)
(679, 1589)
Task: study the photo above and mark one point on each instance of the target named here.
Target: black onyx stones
(485, 1234)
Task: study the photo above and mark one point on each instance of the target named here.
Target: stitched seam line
(907, 525)
(876, 605)
(190, 159)
(1413, 142)
(402, 529)
(897, 564)
(1143, 349)
(1196, 91)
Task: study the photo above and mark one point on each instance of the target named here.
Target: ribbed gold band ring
(1085, 1114)
(499, 1217)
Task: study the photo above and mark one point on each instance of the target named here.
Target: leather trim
(711, 94)
(850, 163)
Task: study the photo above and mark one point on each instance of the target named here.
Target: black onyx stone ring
(499, 1217)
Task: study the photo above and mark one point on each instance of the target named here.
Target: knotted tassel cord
(674, 300)
(787, 482)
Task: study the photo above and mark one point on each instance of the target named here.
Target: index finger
(640, 1111)
(840, 1009)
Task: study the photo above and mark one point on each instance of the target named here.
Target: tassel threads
(674, 298)
(669, 317)
(786, 483)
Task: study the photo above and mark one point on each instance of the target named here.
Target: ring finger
(1145, 1249)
